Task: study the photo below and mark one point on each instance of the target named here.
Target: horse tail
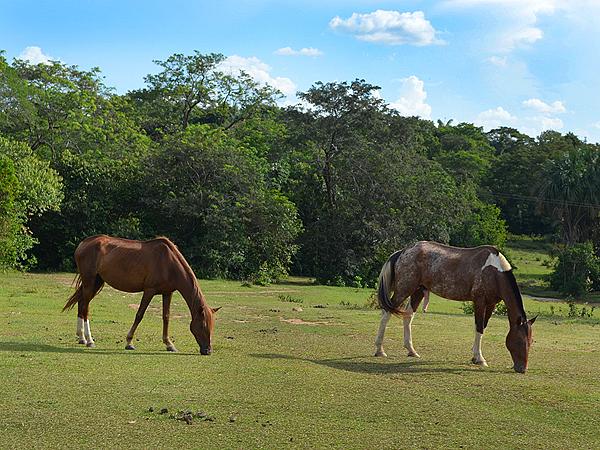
(386, 284)
(77, 295)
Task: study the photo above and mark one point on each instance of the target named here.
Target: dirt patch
(306, 322)
(249, 293)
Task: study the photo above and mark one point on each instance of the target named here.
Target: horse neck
(191, 293)
(511, 295)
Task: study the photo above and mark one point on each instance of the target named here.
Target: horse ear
(532, 320)
(214, 310)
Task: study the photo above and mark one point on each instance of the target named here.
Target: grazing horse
(152, 267)
(481, 274)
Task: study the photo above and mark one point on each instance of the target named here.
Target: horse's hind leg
(385, 318)
(165, 314)
(89, 288)
(425, 300)
(146, 297)
(407, 318)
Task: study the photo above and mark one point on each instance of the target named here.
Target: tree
(577, 270)
(28, 188)
(218, 206)
(341, 114)
(361, 190)
(512, 181)
(569, 192)
(196, 89)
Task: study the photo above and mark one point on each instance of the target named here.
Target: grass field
(281, 378)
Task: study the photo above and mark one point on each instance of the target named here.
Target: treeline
(251, 190)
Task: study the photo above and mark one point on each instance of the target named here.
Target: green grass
(287, 385)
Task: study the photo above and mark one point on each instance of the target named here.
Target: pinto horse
(152, 267)
(481, 274)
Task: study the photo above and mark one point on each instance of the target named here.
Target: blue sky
(530, 64)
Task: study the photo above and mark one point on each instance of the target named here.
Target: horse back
(129, 265)
(452, 272)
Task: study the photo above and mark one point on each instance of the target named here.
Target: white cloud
(259, 71)
(494, 118)
(389, 27)
(306, 51)
(533, 126)
(519, 18)
(412, 99)
(538, 105)
(499, 61)
(550, 123)
(35, 56)
(597, 125)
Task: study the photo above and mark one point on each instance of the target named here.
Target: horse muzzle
(521, 368)
(205, 350)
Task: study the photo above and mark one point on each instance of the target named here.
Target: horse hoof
(90, 345)
(129, 347)
(414, 354)
(82, 341)
(171, 349)
(482, 363)
(384, 354)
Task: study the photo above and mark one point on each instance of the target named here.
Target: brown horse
(152, 267)
(480, 274)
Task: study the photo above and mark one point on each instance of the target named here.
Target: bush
(577, 270)
(483, 226)
(500, 310)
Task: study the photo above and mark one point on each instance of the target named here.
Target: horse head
(518, 342)
(202, 327)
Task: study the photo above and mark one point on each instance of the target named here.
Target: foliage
(195, 89)
(251, 190)
(28, 188)
(219, 207)
(482, 226)
(363, 193)
(570, 192)
(577, 270)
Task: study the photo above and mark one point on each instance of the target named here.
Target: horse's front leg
(138, 318)
(385, 318)
(165, 314)
(482, 316)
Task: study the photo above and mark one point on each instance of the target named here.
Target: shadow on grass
(297, 282)
(379, 366)
(46, 348)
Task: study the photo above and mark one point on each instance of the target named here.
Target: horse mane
(184, 264)
(512, 282)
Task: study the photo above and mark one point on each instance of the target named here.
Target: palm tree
(570, 192)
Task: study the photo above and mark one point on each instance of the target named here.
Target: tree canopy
(253, 190)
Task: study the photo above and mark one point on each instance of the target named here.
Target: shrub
(577, 270)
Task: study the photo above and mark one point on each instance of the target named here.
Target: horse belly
(451, 292)
(123, 277)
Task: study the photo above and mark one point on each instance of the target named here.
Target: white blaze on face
(498, 261)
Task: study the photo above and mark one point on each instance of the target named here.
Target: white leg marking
(88, 334)
(407, 318)
(80, 331)
(385, 317)
(477, 355)
(425, 300)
